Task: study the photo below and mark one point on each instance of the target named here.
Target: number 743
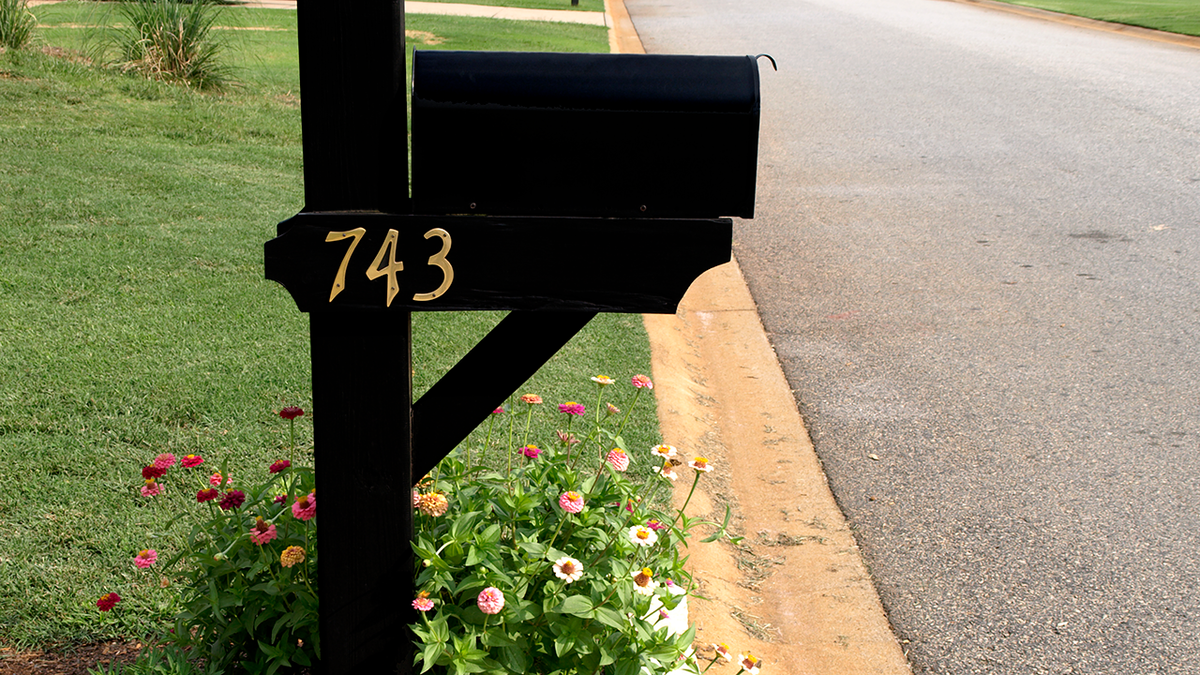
(386, 264)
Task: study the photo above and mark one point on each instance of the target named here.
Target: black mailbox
(602, 135)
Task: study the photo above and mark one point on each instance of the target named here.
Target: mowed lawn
(1175, 16)
(135, 319)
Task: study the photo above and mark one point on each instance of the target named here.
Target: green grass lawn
(134, 316)
(584, 5)
(1175, 16)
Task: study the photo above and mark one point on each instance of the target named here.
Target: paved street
(977, 254)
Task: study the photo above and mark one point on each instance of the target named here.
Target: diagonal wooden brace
(479, 383)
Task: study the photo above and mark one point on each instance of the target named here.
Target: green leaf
(579, 605)
(611, 618)
(563, 643)
(628, 667)
(463, 529)
(514, 659)
(490, 535)
(473, 556)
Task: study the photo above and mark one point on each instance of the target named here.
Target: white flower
(642, 535)
(700, 464)
(603, 380)
(667, 471)
(568, 569)
(643, 581)
(663, 450)
(748, 663)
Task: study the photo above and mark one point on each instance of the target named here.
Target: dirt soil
(74, 661)
(795, 591)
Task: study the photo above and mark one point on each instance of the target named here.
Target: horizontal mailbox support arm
(377, 261)
(484, 378)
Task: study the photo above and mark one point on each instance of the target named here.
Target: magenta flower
(655, 525)
(232, 500)
(262, 532)
(145, 558)
(108, 601)
(207, 495)
(279, 499)
(422, 603)
(490, 600)
(305, 507)
(531, 451)
(498, 411)
(164, 461)
(279, 465)
(190, 461)
(617, 459)
(291, 412)
(151, 488)
(642, 382)
(571, 502)
(151, 472)
(571, 408)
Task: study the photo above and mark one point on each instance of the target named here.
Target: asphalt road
(977, 254)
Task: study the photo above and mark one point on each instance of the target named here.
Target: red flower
(108, 601)
(190, 461)
(291, 412)
(232, 499)
(206, 495)
(279, 466)
(151, 472)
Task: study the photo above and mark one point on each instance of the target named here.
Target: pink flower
(206, 495)
(571, 502)
(490, 600)
(216, 479)
(232, 500)
(422, 603)
(531, 399)
(629, 504)
(642, 382)
(655, 525)
(571, 408)
(567, 439)
(531, 451)
(151, 488)
(617, 459)
(305, 507)
(150, 472)
(279, 465)
(145, 558)
(498, 411)
(262, 532)
(612, 409)
(291, 412)
(108, 601)
(190, 461)
(164, 461)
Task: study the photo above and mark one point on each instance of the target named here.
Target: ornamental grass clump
(172, 41)
(16, 24)
(554, 561)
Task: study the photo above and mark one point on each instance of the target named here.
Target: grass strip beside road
(1173, 16)
(136, 319)
(584, 5)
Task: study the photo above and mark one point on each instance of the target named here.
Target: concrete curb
(1093, 24)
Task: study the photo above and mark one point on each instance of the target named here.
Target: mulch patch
(74, 660)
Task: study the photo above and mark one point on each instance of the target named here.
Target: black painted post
(356, 159)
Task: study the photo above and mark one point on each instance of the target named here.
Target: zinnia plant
(556, 566)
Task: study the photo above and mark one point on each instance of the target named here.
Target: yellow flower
(291, 555)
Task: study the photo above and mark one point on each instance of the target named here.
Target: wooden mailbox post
(360, 257)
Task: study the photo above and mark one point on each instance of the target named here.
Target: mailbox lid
(610, 135)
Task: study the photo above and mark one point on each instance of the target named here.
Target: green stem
(689, 498)
(528, 419)
(629, 412)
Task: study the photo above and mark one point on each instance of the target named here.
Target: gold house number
(385, 263)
